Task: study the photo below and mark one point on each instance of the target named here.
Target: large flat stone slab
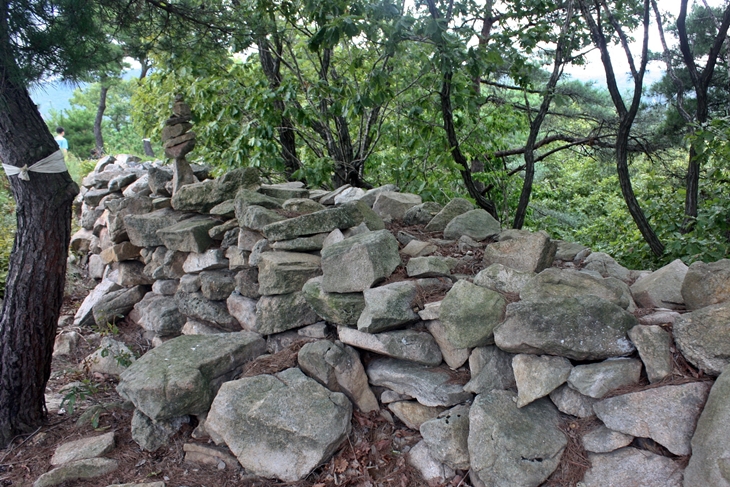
(181, 376)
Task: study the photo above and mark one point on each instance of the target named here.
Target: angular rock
(570, 401)
(310, 224)
(388, 307)
(703, 337)
(285, 191)
(421, 214)
(630, 466)
(111, 358)
(227, 209)
(78, 470)
(569, 251)
(607, 266)
(430, 386)
(476, 224)
(301, 244)
(428, 267)
(166, 264)
(208, 261)
(598, 379)
(581, 328)
(119, 252)
(500, 278)
(246, 197)
(248, 238)
(152, 435)
(159, 314)
(302, 205)
(203, 196)
(142, 229)
(604, 440)
(416, 248)
(537, 376)
(521, 250)
(654, 346)
(198, 307)
(66, 344)
(84, 315)
(667, 414)
(453, 208)
(410, 345)
(470, 313)
(189, 235)
(414, 414)
(282, 312)
(372, 194)
(338, 368)
(454, 357)
(217, 285)
(511, 447)
(338, 308)
(90, 447)
(247, 282)
(491, 368)
(358, 263)
(662, 288)
(446, 437)
(237, 258)
(706, 284)
(710, 461)
(117, 304)
(131, 273)
(257, 217)
(243, 309)
(189, 369)
(193, 327)
(280, 426)
(390, 205)
(348, 195)
(286, 272)
(432, 471)
(571, 283)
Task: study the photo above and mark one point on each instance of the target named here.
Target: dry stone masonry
(489, 348)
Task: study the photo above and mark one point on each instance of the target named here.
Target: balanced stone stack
(178, 140)
(487, 372)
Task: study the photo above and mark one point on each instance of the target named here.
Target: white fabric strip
(54, 163)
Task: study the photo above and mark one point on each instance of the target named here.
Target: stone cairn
(178, 140)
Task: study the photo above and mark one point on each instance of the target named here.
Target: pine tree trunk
(35, 282)
(98, 136)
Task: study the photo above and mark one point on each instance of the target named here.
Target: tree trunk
(35, 282)
(99, 118)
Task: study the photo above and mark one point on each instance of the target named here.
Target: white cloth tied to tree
(54, 163)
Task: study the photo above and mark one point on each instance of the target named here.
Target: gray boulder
(432, 471)
(359, 262)
(454, 357)
(410, 345)
(470, 314)
(282, 312)
(286, 272)
(255, 218)
(197, 307)
(604, 440)
(90, 447)
(285, 191)
(388, 307)
(338, 368)
(537, 376)
(247, 197)
(301, 244)
(606, 266)
(710, 461)
(598, 379)
(78, 470)
(491, 368)
(447, 435)
(703, 337)
(112, 357)
(211, 260)
(189, 369)
(153, 435)
(243, 309)
(570, 401)
(567, 283)
(581, 328)
(117, 304)
(421, 214)
(312, 223)
(159, 315)
(302, 205)
(654, 346)
(372, 194)
(476, 224)
(217, 285)
(453, 208)
(203, 196)
(662, 288)
(503, 279)
(390, 205)
(280, 426)
(84, 315)
(667, 414)
(190, 235)
(431, 386)
(630, 466)
(142, 229)
(434, 266)
(521, 250)
(510, 446)
(706, 284)
(338, 308)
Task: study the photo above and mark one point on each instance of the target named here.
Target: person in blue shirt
(61, 140)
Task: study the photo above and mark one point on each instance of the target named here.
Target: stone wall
(487, 341)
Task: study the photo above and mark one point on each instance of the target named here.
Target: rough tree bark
(35, 282)
(626, 114)
(101, 108)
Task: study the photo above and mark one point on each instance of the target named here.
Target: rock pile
(487, 365)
